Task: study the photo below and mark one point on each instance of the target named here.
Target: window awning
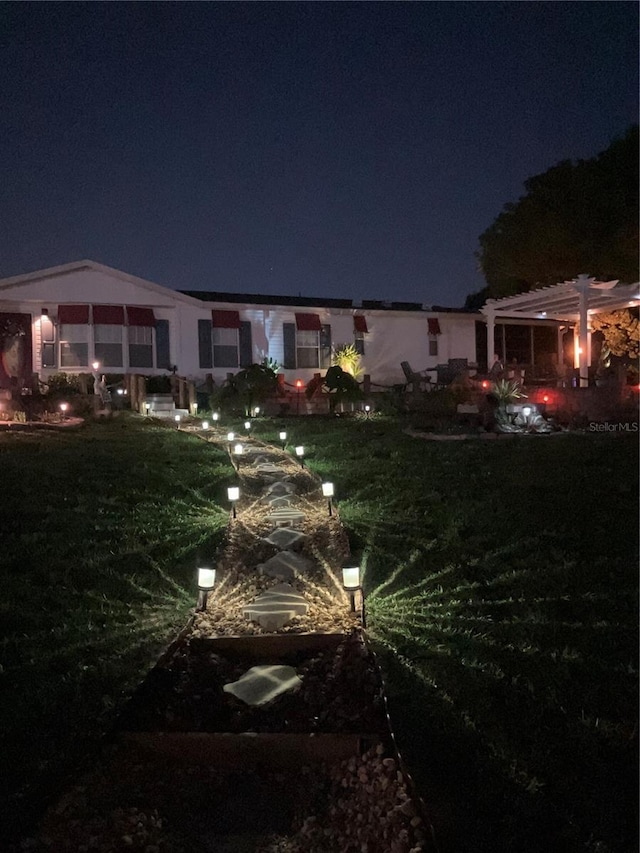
(360, 323)
(108, 315)
(434, 326)
(137, 316)
(308, 323)
(75, 315)
(225, 319)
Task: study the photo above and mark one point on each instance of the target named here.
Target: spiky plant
(347, 357)
(508, 390)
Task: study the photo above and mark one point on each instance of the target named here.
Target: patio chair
(415, 378)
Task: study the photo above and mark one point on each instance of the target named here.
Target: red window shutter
(140, 316)
(108, 315)
(360, 323)
(75, 315)
(434, 326)
(225, 319)
(308, 323)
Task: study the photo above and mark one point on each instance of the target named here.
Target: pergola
(571, 302)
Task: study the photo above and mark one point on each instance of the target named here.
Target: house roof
(562, 301)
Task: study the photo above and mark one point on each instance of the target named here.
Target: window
(360, 329)
(433, 345)
(358, 341)
(307, 349)
(140, 346)
(48, 342)
(225, 347)
(433, 325)
(74, 345)
(108, 344)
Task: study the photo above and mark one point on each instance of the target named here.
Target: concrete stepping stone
(262, 684)
(269, 468)
(285, 538)
(286, 565)
(280, 488)
(278, 501)
(275, 607)
(285, 517)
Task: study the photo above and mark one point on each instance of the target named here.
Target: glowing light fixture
(238, 450)
(256, 411)
(147, 407)
(545, 399)
(215, 416)
(327, 491)
(205, 425)
(233, 493)
(526, 411)
(485, 383)
(177, 420)
(120, 391)
(206, 582)
(63, 409)
(231, 437)
(282, 435)
(352, 585)
(95, 365)
(300, 454)
(247, 425)
(367, 410)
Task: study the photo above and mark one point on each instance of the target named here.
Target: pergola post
(491, 331)
(582, 286)
(560, 365)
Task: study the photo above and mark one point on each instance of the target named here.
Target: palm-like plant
(348, 359)
(508, 390)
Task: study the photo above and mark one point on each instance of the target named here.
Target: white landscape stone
(262, 684)
(285, 538)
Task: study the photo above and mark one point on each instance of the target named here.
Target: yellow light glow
(351, 577)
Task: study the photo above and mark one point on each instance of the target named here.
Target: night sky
(352, 150)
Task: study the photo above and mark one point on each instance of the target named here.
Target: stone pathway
(277, 613)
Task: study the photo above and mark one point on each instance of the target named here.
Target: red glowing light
(299, 383)
(545, 399)
(485, 383)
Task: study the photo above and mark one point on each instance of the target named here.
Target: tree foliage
(577, 217)
(621, 333)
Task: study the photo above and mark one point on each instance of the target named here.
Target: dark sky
(350, 150)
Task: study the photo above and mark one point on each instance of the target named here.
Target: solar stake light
(206, 581)
(120, 391)
(238, 450)
(215, 417)
(352, 585)
(95, 365)
(233, 493)
(231, 437)
(247, 425)
(177, 420)
(63, 409)
(367, 410)
(327, 491)
(526, 411)
(300, 454)
(205, 425)
(147, 407)
(283, 438)
(256, 411)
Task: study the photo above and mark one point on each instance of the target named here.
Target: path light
(95, 365)
(177, 420)
(327, 491)
(300, 454)
(120, 391)
(194, 409)
(147, 407)
(485, 384)
(206, 581)
(231, 436)
(205, 425)
(282, 435)
(545, 399)
(233, 493)
(215, 417)
(526, 411)
(238, 450)
(367, 410)
(63, 409)
(256, 411)
(352, 585)
(247, 425)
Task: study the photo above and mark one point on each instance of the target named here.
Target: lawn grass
(99, 533)
(502, 598)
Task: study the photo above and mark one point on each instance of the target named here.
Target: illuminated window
(74, 345)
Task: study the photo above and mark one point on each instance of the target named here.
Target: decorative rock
(280, 488)
(261, 684)
(275, 607)
(285, 538)
(286, 566)
(285, 517)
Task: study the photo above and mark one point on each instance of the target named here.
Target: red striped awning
(308, 323)
(140, 316)
(75, 315)
(225, 319)
(108, 315)
(434, 326)
(360, 323)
